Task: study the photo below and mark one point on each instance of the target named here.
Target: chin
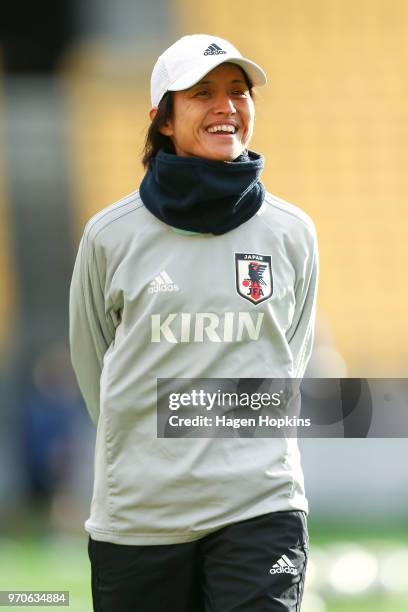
(224, 155)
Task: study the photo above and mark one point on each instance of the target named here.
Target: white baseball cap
(190, 58)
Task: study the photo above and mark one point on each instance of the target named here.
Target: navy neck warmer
(203, 195)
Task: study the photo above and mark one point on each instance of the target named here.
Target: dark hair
(155, 140)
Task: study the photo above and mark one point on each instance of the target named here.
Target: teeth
(221, 128)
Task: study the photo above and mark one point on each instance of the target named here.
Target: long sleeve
(301, 332)
(91, 330)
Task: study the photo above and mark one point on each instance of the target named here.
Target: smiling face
(213, 119)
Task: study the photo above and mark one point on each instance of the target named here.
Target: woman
(199, 274)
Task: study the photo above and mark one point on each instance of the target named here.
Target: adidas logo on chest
(162, 283)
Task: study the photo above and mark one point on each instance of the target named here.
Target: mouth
(222, 130)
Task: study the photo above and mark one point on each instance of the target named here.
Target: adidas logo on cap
(283, 566)
(162, 282)
(214, 49)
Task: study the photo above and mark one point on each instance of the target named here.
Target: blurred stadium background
(333, 126)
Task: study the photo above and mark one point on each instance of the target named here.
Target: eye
(202, 93)
(240, 92)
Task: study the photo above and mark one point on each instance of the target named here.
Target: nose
(223, 103)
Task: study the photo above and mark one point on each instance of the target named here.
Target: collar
(203, 195)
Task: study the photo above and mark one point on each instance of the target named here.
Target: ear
(166, 128)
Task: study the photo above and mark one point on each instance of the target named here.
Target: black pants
(256, 565)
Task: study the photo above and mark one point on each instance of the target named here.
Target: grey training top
(148, 301)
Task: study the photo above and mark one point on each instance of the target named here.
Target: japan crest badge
(253, 276)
